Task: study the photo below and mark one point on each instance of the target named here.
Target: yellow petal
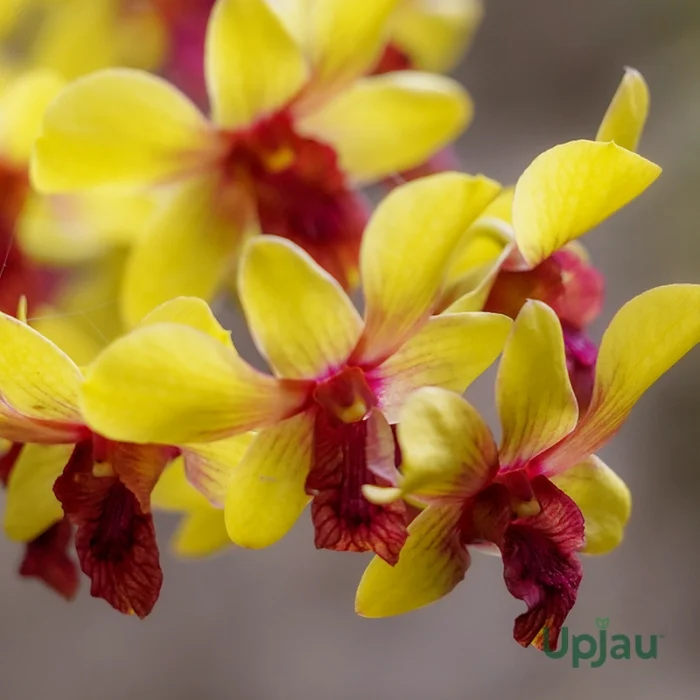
(299, 316)
(604, 501)
(22, 108)
(10, 11)
(253, 65)
(450, 351)
(570, 189)
(266, 494)
(447, 449)
(647, 336)
(172, 384)
(406, 250)
(37, 379)
(63, 330)
(624, 120)
(389, 123)
(186, 250)
(431, 564)
(31, 505)
(173, 491)
(536, 403)
(201, 534)
(120, 127)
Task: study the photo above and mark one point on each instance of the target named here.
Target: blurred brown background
(279, 624)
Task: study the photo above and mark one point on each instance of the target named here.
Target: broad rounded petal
(201, 534)
(570, 189)
(22, 107)
(192, 312)
(299, 316)
(647, 336)
(624, 120)
(187, 249)
(389, 123)
(431, 564)
(604, 501)
(171, 384)
(447, 449)
(266, 494)
(450, 351)
(406, 250)
(37, 379)
(118, 126)
(253, 65)
(31, 506)
(535, 401)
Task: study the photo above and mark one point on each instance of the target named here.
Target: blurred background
(279, 624)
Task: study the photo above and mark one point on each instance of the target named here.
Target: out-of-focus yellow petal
(63, 330)
(535, 401)
(447, 450)
(173, 492)
(604, 500)
(186, 250)
(406, 250)
(299, 316)
(647, 336)
(10, 11)
(624, 120)
(389, 123)
(119, 127)
(435, 33)
(266, 494)
(253, 65)
(37, 379)
(201, 534)
(31, 505)
(450, 351)
(169, 383)
(22, 107)
(431, 564)
(570, 189)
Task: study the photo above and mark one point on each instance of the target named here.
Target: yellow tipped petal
(22, 108)
(604, 501)
(647, 336)
(431, 564)
(186, 250)
(37, 379)
(624, 120)
(450, 351)
(31, 505)
(406, 250)
(389, 123)
(253, 65)
(201, 534)
(570, 189)
(169, 383)
(118, 127)
(266, 493)
(536, 403)
(299, 316)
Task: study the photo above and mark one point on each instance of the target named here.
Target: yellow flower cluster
(156, 156)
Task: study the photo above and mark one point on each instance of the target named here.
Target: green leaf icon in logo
(602, 622)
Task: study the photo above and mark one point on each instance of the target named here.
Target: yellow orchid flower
(323, 418)
(294, 127)
(542, 496)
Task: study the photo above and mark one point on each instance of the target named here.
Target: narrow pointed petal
(201, 534)
(647, 336)
(171, 384)
(37, 379)
(389, 123)
(570, 189)
(535, 401)
(450, 351)
(431, 564)
(266, 494)
(300, 318)
(118, 126)
(31, 506)
(405, 253)
(253, 65)
(603, 499)
(624, 120)
(447, 449)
